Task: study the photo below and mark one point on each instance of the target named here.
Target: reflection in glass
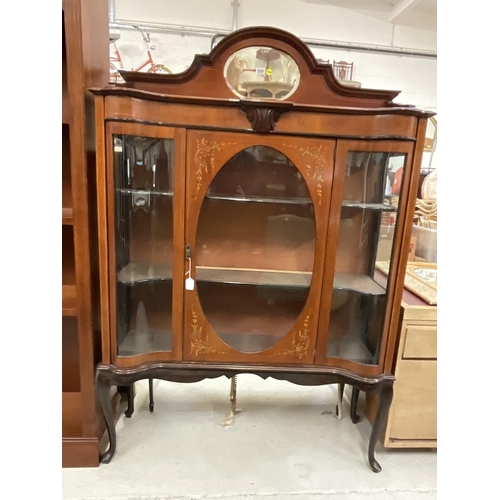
(367, 222)
(261, 73)
(144, 248)
(255, 249)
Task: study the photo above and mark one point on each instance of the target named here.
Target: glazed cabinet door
(369, 205)
(256, 222)
(145, 227)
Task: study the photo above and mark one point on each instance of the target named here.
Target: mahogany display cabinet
(241, 208)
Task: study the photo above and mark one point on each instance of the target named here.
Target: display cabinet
(241, 208)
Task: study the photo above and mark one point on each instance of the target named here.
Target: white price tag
(260, 71)
(189, 284)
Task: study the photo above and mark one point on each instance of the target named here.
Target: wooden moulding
(318, 86)
(80, 452)
(216, 115)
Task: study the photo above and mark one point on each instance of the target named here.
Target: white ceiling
(419, 14)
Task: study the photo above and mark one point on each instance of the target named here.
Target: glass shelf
(259, 199)
(223, 197)
(136, 342)
(143, 272)
(360, 283)
(369, 206)
(261, 277)
(143, 191)
(139, 272)
(136, 272)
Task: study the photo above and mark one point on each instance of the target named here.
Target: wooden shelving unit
(85, 64)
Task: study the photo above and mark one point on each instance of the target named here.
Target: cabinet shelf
(360, 283)
(138, 272)
(369, 206)
(142, 272)
(223, 197)
(260, 199)
(144, 192)
(136, 342)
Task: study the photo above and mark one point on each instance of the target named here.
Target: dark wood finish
(385, 400)
(217, 114)
(151, 397)
(321, 87)
(354, 405)
(85, 63)
(130, 400)
(263, 119)
(314, 128)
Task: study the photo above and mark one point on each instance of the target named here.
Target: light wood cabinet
(412, 420)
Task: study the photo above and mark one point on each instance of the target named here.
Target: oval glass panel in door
(255, 247)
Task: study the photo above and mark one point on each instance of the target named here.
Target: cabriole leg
(383, 409)
(151, 397)
(354, 405)
(102, 389)
(340, 399)
(130, 400)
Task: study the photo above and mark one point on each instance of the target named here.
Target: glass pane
(261, 73)
(367, 222)
(144, 248)
(255, 249)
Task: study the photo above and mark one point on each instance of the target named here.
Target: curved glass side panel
(143, 243)
(367, 227)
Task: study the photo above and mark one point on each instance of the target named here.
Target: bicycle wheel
(160, 68)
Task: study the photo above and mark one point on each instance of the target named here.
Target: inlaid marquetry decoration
(199, 341)
(420, 278)
(205, 159)
(315, 166)
(300, 341)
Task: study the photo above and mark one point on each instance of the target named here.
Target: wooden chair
(343, 70)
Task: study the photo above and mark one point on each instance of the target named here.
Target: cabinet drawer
(414, 412)
(421, 342)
